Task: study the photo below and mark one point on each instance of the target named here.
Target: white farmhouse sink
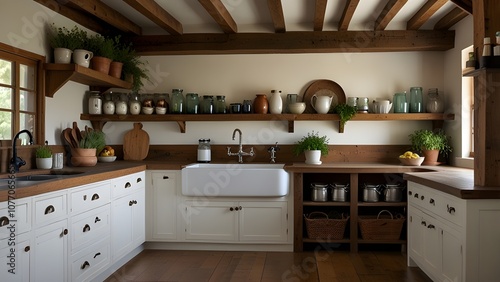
(235, 180)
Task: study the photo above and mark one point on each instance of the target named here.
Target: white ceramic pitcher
(82, 57)
(321, 103)
(381, 106)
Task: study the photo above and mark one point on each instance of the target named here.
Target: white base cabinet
(15, 266)
(50, 251)
(453, 239)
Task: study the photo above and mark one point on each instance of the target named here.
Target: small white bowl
(415, 162)
(147, 110)
(108, 159)
(160, 110)
(297, 108)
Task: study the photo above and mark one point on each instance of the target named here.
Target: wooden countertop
(455, 181)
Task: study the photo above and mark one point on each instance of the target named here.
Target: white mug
(82, 57)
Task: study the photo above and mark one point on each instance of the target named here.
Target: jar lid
(204, 140)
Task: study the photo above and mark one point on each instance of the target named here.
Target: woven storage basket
(324, 227)
(381, 227)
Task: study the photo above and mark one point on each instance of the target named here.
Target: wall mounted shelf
(56, 75)
(98, 121)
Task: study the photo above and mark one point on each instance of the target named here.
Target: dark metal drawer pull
(128, 185)
(165, 177)
(431, 226)
(139, 179)
(450, 209)
(86, 228)
(95, 197)
(97, 219)
(85, 264)
(98, 254)
(4, 221)
(431, 201)
(50, 209)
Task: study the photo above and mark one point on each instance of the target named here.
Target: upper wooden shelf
(56, 75)
(98, 121)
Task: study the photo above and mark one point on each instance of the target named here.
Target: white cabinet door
(415, 234)
(50, 253)
(211, 221)
(431, 244)
(452, 262)
(15, 266)
(263, 222)
(162, 205)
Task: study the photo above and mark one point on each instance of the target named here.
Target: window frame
(20, 56)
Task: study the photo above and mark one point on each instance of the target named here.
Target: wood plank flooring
(217, 266)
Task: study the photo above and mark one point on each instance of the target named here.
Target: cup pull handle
(95, 197)
(50, 209)
(4, 221)
(128, 185)
(85, 264)
(86, 228)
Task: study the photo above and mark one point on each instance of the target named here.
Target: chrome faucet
(240, 152)
(273, 150)
(16, 162)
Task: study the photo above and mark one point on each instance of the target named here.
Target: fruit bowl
(415, 162)
(108, 159)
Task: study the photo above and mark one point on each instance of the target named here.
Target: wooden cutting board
(136, 144)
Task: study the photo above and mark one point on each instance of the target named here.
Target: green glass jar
(177, 102)
(192, 103)
(207, 104)
(220, 104)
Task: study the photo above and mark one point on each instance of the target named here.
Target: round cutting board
(136, 144)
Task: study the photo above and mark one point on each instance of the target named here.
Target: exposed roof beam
(77, 15)
(465, 5)
(295, 42)
(220, 14)
(388, 13)
(107, 14)
(450, 19)
(319, 14)
(349, 9)
(277, 15)
(429, 8)
(157, 14)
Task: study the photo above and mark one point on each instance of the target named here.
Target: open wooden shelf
(56, 75)
(98, 121)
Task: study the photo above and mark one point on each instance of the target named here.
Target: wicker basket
(324, 227)
(381, 227)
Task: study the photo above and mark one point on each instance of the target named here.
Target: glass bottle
(134, 104)
(434, 102)
(207, 105)
(220, 104)
(177, 102)
(95, 103)
(192, 103)
(399, 102)
(121, 107)
(108, 107)
(416, 100)
(204, 152)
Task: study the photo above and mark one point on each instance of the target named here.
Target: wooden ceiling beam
(295, 42)
(107, 14)
(465, 5)
(429, 8)
(349, 9)
(388, 13)
(276, 10)
(319, 14)
(157, 14)
(220, 14)
(450, 19)
(78, 16)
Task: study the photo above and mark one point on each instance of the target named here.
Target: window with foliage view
(21, 101)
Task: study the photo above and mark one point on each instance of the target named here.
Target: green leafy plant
(134, 69)
(43, 151)
(64, 38)
(345, 113)
(101, 46)
(93, 139)
(424, 139)
(312, 142)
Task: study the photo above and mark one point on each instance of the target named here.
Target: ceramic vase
(260, 104)
(313, 157)
(44, 163)
(62, 55)
(275, 102)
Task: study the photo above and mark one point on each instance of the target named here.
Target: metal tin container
(371, 193)
(340, 192)
(319, 192)
(393, 192)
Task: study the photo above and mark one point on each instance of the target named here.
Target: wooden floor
(155, 265)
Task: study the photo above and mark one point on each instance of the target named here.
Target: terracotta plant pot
(115, 69)
(101, 64)
(431, 157)
(83, 157)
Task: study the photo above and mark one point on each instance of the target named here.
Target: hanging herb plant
(345, 113)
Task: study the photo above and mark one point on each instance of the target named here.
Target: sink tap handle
(229, 151)
(251, 151)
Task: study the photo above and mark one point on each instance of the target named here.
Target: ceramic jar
(109, 105)
(260, 104)
(95, 103)
(275, 102)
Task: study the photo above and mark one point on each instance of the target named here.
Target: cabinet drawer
(21, 210)
(50, 207)
(91, 261)
(88, 227)
(89, 197)
(128, 184)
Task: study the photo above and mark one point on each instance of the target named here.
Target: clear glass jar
(108, 107)
(121, 106)
(247, 106)
(177, 102)
(416, 100)
(192, 103)
(134, 104)
(95, 103)
(220, 104)
(204, 152)
(434, 102)
(207, 104)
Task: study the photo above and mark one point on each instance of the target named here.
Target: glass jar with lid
(204, 152)
(108, 107)
(416, 100)
(434, 102)
(207, 104)
(121, 106)
(177, 101)
(95, 103)
(134, 103)
(192, 103)
(220, 104)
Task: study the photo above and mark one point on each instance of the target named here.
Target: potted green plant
(345, 113)
(43, 156)
(430, 144)
(64, 42)
(134, 71)
(90, 145)
(313, 146)
(102, 49)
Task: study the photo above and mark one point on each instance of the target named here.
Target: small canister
(95, 103)
(204, 152)
(319, 192)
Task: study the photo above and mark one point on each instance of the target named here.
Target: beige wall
(241, 77)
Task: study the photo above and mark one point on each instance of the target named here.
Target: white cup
(82, 57)
(57, 160)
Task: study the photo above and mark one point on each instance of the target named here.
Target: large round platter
(324, 87)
